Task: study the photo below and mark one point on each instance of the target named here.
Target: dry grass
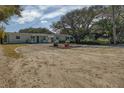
(9, 50)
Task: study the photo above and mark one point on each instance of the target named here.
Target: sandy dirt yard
(5, 70)
(44, 66)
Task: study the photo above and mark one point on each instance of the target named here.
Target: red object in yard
(66, 45)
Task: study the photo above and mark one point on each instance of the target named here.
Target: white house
(15, 37)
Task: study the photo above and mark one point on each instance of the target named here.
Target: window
(33, 38)
(67, 38)
(57, 38)
(71, 38)
(44, 38)
(17, 37)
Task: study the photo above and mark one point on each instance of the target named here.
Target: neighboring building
(63, 37)
(13, 37)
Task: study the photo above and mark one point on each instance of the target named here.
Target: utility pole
(114, 26)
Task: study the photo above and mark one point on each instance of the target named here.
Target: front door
(37, 39)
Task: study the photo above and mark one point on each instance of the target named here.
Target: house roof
(39, 34)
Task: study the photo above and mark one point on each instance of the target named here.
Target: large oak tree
(78, 23)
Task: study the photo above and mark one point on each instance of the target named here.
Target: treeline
(94, 24)
(36, 30)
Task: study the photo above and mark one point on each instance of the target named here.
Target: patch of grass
(9, 50)
(99, 41)
(103, 41)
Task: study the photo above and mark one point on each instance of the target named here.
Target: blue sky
(39, 16)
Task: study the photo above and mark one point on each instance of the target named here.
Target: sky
(39, 16)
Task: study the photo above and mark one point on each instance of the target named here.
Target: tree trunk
(114, 25)
(77, 39)
(1, 41)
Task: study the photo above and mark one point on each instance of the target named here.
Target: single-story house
(15, 37)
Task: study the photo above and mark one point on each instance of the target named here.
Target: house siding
(12, 38)
(34, 38)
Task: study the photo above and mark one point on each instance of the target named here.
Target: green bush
(103, 41)
(100, 41)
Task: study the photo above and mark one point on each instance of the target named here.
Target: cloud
(45, 7)
(28, 16)
(52, 15)
(44, 13)
(44, 21)
(60, 11)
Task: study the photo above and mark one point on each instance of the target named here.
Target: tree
(36, 30)
(114, 25)
(112, 21)
(77, 23)
(102, 28)
(118, 23)
(6, 11)
(2, 34)
(5, 14)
